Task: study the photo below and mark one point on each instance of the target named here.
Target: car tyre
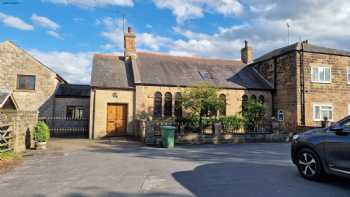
(309, 164)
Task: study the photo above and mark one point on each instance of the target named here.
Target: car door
(337, 148)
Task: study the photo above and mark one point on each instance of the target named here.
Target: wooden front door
(116, 119)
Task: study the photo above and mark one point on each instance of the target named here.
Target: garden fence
(67, 127)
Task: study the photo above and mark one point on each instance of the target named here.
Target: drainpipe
(274, 110)
(302, 85)
(93, 115)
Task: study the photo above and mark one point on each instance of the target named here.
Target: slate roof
(7, 100)
(168, 70)
(4, 96)
(73, 90)
(297, 47)
(110, 71)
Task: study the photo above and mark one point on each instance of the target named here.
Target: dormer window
(321, 74)
(204, 75)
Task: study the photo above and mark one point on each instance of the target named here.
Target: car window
(346, 125)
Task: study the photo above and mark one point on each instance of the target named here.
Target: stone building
(32, 83)
(141, 85)
(309, 83)
(29, 90)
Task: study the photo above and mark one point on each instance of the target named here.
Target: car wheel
(309, 164)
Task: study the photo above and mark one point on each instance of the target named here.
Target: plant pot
(40, 145)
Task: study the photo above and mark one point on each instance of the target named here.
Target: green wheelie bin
(168, 136)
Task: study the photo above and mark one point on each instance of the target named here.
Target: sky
(65, 34)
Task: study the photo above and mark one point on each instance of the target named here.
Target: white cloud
(44, 22)
(262, 23)
(113, 32)
(54, 34)
(73, 67)
(15, 22)
(190, 9)
(93, 3)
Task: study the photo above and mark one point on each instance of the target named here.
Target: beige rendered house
(142, 85)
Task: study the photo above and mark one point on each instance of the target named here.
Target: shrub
(42, 132)
(231, 123)
(253, 114)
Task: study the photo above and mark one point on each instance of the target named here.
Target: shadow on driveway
(255, 180)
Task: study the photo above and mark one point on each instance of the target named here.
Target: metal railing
(67, 127)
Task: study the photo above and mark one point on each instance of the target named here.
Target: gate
(6, 134)
(63, 127)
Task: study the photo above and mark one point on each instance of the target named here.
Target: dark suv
(323, 151)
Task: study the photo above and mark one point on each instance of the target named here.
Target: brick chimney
(247, 53)
(129, 43)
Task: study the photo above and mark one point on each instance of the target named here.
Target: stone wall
(98, 114)
(145, 99)
(14, 61)
(336, 93)
(285, 80)
(22, 123)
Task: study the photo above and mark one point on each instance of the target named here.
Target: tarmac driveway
(74, 168)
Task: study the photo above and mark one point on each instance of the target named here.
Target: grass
(8, 156)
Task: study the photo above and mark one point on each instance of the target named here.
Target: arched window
(222, 98)
(157, 111)
(244, 102)
(261, 99)
(168, 101)
(178, 105)
(253, 98)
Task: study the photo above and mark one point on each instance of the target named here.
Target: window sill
(323, 120)
(23, 90)
(326, 82)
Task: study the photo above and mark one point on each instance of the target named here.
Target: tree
(253, 113)
(202, 100)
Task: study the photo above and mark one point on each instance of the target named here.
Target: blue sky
(64, 34)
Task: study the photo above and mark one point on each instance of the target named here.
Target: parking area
(123, 168)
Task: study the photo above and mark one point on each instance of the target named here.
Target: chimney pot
(129, 29)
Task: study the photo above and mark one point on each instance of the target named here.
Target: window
(261, 99)
(26, 82)
(157, 111)
(280, 115)
(222, 97)
(321, 74)
(178, 105)
(74, 112)
(322, 111)
(168, 99)
(204, 75)
(244, 102)
(253, 98)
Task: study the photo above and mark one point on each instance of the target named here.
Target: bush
(231, 123)
(253, 113)
(42, 132)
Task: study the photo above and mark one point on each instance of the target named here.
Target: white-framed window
(348, 75)
(321, 74)
(321, 111)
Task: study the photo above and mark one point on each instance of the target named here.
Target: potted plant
(41, 135)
